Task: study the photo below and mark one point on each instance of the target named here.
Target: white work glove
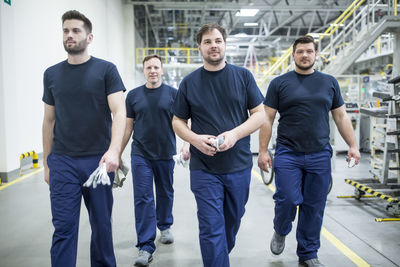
(178, 158)
(99, 176)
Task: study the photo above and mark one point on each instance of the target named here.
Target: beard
(79, 48)
(215, 62)
(306, 67)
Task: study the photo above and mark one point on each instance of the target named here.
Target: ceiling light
(247, 12)
(250, 24)
(241, 34)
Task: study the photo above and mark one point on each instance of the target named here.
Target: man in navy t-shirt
(303, 97)
(149, 116)
(79, 134)
(218, 98)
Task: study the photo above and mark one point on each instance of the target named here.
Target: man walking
(79, 134)
(218, 98)
(149, 116)
(302, 162)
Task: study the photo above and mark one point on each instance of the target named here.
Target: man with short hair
(79, 134)
(302, 163)
(218, 98)
(149, 116)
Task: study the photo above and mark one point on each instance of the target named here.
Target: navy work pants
(302, 179)
(67, 175)
(221, 200)
(149, 215)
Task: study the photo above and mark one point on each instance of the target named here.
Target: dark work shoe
(311, 263)
(166, 237)
(277, 244)
(143, 259)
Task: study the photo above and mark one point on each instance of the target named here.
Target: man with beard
(79, 134)
(218, 98)
(302, 163)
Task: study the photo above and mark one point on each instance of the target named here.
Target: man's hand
(230, 140)
(264, 161)
(204, 144)
(47, 175)
(185, 150)
(111, 158)
(354, 153)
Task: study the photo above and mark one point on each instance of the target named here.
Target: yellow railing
(328, 32)
(169, 55)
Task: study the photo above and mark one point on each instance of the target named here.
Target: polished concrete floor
(350, 236)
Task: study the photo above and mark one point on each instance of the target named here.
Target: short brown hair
(207, 28)
(73, 14)
(305, 40)
(147, 58)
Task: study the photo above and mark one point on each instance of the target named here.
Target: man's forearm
(182, 129)
(117, 131)
(47, 135)
(265, 136)
(346, 131)
(253, 123)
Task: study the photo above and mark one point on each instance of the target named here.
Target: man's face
(153, 71)
(75, 38)
(304, 56)
(212, 47)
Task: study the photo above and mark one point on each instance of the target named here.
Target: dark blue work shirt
(79, 96)
(153, 136)
(216, 102)
(304, 102)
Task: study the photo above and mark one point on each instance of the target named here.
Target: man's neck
(304, 72)
(152, 86)
(218, 67)
(78, 59)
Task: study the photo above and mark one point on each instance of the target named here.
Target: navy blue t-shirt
(217, 102)
(153, 136)
(304, 102)
(79, 96)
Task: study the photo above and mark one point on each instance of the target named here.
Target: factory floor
(350, 234)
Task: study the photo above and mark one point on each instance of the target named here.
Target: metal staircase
(340, 59)
(348, 37)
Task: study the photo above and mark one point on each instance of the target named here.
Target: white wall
(31, 41)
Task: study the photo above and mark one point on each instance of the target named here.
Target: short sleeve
(130, 113)
(113, 80)
(181, 107)
(337, 97)
(47, 94)
(254, 96)
(272, 97)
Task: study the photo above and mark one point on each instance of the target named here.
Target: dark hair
(147, 58)
(73, 14)
(305, 40)
(207, 28)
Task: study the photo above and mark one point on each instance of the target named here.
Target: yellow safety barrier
(167, 53)
(35, 159)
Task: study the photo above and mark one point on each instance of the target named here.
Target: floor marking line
(331, 238)
(20, 179)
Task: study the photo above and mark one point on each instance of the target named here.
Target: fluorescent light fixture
(247, 12)
(230, 47)
(250, 24)
(241, 34)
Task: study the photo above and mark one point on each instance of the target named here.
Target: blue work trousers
(67, 175)
(301, 179)
(148, 215)
(221, 200)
